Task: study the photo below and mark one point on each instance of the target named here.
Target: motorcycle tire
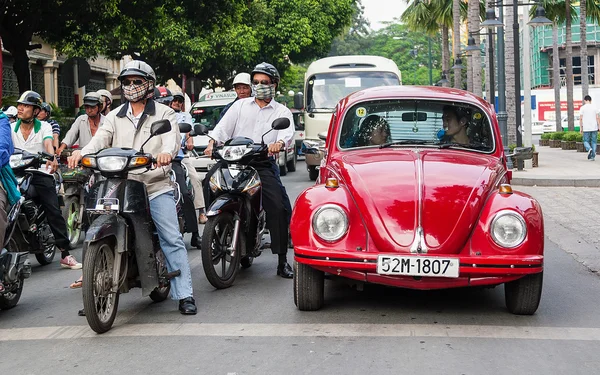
(216, 238)
(70, 213)
(283, 166)
(291, 165)
(10, 300)
(99, 304)
(47, 256)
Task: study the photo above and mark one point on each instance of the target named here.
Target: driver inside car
(455, 121)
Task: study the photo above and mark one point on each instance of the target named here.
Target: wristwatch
(282, 143)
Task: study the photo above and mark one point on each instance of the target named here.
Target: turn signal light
(88, 161)
(332, 183)
(138, 161)
(505, 189)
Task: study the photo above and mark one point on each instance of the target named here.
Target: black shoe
(187, 306)
(81, 312)
(196, 240)
(285, 271)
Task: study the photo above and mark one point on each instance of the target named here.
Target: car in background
(550, 125)
(399, 202)
(565, 123)
(537, 127)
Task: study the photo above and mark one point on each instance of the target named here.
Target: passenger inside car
(374, 130)
(455, 121)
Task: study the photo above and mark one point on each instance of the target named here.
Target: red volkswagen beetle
(414, 192)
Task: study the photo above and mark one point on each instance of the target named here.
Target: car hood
(432, 197)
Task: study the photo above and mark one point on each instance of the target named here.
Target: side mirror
(322, 136)
(160, 127)
(281, 123)
(298, 100)
(199, 129)
(185, 127)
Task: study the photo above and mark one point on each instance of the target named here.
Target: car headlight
(234, 153)
(17, 161)
(508, 229)
(111, 163)
(330, 222)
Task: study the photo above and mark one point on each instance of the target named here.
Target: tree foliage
(208, 39)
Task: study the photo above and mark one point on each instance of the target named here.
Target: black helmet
(46, 107)
(92, 99)
(31, 98)
(163, 95)
(268, 69)
(137, 68)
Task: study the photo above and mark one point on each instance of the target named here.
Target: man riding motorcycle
(6, 149)
(129, 126)
(85, 126)
(44, 115)
(106, 97)
(34, 136)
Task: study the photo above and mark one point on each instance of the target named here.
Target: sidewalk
(559, 167)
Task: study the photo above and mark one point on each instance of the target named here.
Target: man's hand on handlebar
(163, 159)
(74, 159)
(209, 149)
(275, 148)
(189, 143)
(52, 165)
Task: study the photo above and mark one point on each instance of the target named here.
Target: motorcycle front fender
(226, 203)
(107, 226)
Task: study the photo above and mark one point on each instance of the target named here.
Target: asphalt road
(254, 327)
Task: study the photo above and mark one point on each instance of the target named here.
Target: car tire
(523, 295)
(309, 287)
(313, 173)
(283, 166)
(291, 165)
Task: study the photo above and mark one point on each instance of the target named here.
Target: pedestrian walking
(589, 123)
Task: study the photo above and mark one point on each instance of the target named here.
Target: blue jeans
(164, 215)
(590, 139)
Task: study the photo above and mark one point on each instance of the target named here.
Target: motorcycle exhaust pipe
(17, 264)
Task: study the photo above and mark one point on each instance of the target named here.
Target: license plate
(417, 266)
(107, 204)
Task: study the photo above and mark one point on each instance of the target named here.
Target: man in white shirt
(85, 126)
(252, 117)
(35, 136)
(588, 126)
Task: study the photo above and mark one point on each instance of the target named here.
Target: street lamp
(472, 46)
(444, 80)
(457, 64)
(492, 22)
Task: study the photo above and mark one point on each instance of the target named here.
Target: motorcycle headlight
(508, 229)
(111, 163)
(234, 153)
(17, 161)
(330, 222)
(216, 181)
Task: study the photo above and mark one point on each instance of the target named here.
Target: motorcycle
(236, 219)
(121, 246)
(76, 185)
(32, 231)
(14, 266)
(183, 128)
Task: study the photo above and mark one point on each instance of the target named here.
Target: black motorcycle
(183, 128)
(236, 219)
(14, 266)
(121, 246)
(32, 232)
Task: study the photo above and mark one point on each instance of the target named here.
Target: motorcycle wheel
(247, 261)
(283, 166)
(99, 303)
(161, 293)
(70, 213)
(47, 256)
(291, 165)
(10, 300)
(220, 265)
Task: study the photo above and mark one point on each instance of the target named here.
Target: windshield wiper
(474, 146)
(407, 142)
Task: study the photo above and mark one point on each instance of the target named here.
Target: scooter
(14, 266)
(32, 232)
(121, 246)
(236, 219)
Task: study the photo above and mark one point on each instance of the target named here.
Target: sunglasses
(178, 100)
(127, 82)
(263, 82)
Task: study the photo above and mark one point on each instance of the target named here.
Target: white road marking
(307, 330)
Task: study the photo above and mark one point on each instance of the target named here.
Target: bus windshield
(324, 90)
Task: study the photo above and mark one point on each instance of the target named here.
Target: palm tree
(585, 82)
(456, 41)
(569, 67)
(509, 66)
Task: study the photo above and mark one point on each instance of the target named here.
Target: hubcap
(103, 297)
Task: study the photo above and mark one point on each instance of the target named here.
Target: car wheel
(313, 173)
(523, 295)
(291, 165)
(283, 166)
(309, 286)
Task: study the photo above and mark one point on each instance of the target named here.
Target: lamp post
(472, 46)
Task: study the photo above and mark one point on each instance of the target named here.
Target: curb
(556, 182)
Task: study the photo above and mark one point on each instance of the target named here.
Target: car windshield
(326, 89)
(207, 116)
(425, 123)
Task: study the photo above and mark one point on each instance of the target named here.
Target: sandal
(202, 219)
(77, 284)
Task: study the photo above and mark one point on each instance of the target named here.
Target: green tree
(355, 39)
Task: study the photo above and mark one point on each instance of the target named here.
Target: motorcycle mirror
(299, 100)
(185, 127)
(200, 129)
(322, 136)
(281, 123)
(159, 127)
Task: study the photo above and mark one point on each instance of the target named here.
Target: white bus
(326, 82)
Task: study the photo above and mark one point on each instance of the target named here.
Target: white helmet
(243, 78)
(105, 93)
(11, 111)
(137, 68)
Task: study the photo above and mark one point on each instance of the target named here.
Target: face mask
(263, 92)
(135, 93)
